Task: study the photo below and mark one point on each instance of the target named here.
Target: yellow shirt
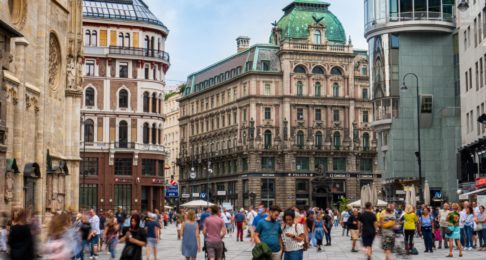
(409, 221)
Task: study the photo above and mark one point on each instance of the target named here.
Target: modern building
(171, 135)
(285, 123)
(39, 104)
(415, 36)
(124, 70)
(472, 59)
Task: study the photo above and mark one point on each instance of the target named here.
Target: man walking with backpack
(269, 231)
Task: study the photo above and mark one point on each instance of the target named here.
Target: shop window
(123, 166)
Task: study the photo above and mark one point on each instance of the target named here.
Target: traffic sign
(192, 175)
(172, 191)
(202, 195)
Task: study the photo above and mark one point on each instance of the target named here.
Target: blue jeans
(294, 255)
(311, 237)
(463, 237)
(93, 242)
(469, 233)
(84, 244)
(428, 238)
(112, 247)
(328, 236)
(482, 237)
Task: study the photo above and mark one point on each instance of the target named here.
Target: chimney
(242, 43)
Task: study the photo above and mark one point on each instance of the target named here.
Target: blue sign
(172, 191)
(202, 195)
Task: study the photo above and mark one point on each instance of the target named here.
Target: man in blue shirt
(261, 216)
(203, 217)
(269, 232)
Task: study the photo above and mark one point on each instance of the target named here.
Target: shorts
(367, 240)
(94, 240)
(354, 234)
(215, 249)
(151, 242)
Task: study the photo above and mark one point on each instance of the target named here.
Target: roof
(233, 66)
(299, 14)
(122, 10)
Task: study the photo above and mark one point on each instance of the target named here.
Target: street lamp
(418, 153)
(192, 176)
(210, 171)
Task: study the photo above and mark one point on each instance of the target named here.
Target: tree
(343, 204)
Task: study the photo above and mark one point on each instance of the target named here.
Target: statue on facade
(355, 133)
(9, 186)
(71, 73)
(285, 129)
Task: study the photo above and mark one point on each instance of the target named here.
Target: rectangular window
(365, 117)
(481, 82)
(88, 166)
(477, 76)
(477, 122)
(366, 165)
(161, 169)
(364, 71)
(267, 190)
(480, 29)
(265, 65)
(335, 116)
(123, 70)
(482, 113)
(248, 66)
(88, 196)
(244, 114)
(302, 163)
(318, 114)
(465, 40)
(364, 93)
(148, 167)
(426, 104)
(469, 36)
(267, 90)
(300, 114)
(268, 163)
(339, 164)
(470, 78)
(90, 68)
(320, 164)
(475, 32)
(268, 113)
(244, 164)
(123, 166)
(467, 81)
(467, 121)
(123, 196)
(302, 186)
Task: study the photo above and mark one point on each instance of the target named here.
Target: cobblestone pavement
(169, 249)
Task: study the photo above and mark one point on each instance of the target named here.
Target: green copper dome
(302, 13)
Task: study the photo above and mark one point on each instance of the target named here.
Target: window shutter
(103, 38)
(113, 38)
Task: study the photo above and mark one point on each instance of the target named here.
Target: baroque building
(285, 123)
(414, 42)
(122, 110)
(41, 93)
(171, 136)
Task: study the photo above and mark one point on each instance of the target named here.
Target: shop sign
(400, 192)
(480, 182)
(195, 195)
(366, 176)
(186, 196)
(221, 193)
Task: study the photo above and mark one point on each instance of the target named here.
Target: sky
(203, 32)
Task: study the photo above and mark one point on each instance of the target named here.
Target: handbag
(448, 232)
(478, 227)
(306, 243)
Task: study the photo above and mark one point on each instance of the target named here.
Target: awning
(12, 166)
(32, 170)
(465, 196)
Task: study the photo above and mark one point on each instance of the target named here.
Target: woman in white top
(293, 237)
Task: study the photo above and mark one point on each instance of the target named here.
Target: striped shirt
(290, 243)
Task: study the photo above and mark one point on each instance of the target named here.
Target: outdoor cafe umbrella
(407, 196)
(374, 195)
(196, 204)
(363, 196)
(357, 204)
(413, 196)
(426, 193)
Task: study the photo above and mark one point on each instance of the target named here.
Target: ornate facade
(124, 71)
(42, 88)
(285, 123)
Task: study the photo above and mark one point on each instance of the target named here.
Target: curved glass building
(414, 36)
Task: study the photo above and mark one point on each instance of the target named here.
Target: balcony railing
(411, 16)
(318, 47)
(143, 52)
(125, 145)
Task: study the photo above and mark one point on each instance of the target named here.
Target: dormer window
(317, 37)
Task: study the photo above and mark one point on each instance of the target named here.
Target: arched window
(300, 88)
(89, 97)
(89, 131)
(317, 70)
(154, 134)
(317, 89)
(123, 98)
(335, 90)
(127, 40)
(155, 73)
(121, 39)
(146, 70)
(94, 38)
(160, 134)
(146, 100)
(158, 44)
(268, 139)
(146, 133)
(336, 71)
(366, 141)
(87, 38)
(123, 134)
(318, 140)
(317, 37)
(300, 140)
(154, 103)
(299, 69)
(337, 140)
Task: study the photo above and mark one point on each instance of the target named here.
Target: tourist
(462, 221)
(481, 228)
(454, 232)
(426, 225)
(179, 220)
(475, 233)
(318, 230)
(227, 221)
(94, 221)
(309, 226)
(444, 225)
(293, 237)
(111, 234)
(190, 237)
(468, 228)
(353, 229)
(152, 227)
(240, 222)
(85, 232)
(250, 216)
(387, 224)
(269, 232)
(20, 241)
(410, 220)
(344, 221)
(328, 226)
(135, 239)
(206, 213)
(367, 228)
(59, 244)
(214, 231)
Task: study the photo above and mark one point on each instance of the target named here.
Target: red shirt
(213, 224)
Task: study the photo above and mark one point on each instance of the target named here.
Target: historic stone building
(285, 123)
(124, 70)
(171, 136)
(41, 94)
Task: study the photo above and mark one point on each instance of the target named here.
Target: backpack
(261, 252)
(414, 251)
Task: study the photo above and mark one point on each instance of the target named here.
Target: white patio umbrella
(407, 195)
(374, 195)
(363, 199)
(413, 196)
(369, 193)
(426, 193)
(196, 204)
(357, 204)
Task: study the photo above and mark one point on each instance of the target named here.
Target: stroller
(206, 253)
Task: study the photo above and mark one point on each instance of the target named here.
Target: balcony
(141, 52)
(298, 46)
(125, 145)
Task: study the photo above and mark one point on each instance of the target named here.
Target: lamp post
(192, 176)
(418, 153)
(210, 171)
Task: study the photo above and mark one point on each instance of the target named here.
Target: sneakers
(354, 250)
